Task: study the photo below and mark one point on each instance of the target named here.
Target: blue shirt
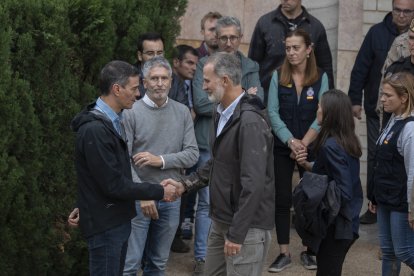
(112, 115)
(226, 114)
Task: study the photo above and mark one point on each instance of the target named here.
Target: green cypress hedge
(51, 52)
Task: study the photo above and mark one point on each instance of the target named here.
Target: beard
(217, 95)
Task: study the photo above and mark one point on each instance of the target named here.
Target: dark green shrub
(51, 52)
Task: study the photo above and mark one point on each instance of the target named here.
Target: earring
(307, 56)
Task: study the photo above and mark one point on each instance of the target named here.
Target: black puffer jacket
(240, 172)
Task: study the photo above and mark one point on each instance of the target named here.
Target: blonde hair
(402, 83)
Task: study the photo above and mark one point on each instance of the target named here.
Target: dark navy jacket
(390, 176)
(366, 73)
(317, 202)
(338, 165)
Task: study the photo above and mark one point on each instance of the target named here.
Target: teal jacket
(204, 108)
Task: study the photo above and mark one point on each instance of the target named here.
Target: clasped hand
(179, 187)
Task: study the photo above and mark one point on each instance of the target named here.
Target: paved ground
(361, 260)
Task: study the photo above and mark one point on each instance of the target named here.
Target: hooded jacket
(202, 105)
(240, 173)
(106, 192)
(366, 73)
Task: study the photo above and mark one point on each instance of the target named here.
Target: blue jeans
(107, 250)
(396, 239)
(202, 219)
(155, 236)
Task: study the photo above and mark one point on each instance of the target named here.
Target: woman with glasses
(294, 94)
(392, 196)
(337, 152)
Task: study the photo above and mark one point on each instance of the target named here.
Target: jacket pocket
(252, 252)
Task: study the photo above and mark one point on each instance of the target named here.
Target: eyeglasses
(398, 11)
(155, 80)
(153, 53)
(224, 39)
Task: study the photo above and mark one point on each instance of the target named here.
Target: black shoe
(179, 246)
(282, 262)
(368, 218)
(308, 261)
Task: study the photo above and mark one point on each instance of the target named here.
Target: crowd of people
(206, 147)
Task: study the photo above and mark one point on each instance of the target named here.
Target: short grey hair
(228, 21)
(226, 64)
(158, 61)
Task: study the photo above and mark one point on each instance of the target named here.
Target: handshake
(172, 189)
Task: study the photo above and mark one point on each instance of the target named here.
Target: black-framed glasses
(398, 11)
(232, 38)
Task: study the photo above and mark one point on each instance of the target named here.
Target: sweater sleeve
(406, 147)
(129, 124)
(188, 156)
(278, 126)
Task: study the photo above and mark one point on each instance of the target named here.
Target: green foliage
(51, 52)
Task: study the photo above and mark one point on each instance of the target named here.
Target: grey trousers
(248, 262)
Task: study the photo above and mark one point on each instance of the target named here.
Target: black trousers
(331, 254)
(284, 167)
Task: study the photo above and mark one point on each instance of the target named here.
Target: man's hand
(252, 91)
(372, 207)
(147, 159)
(231, 249)
(149, 209)
(73, 219)
(356, 111)
(180, 189)
(170, 192)
(411, 220)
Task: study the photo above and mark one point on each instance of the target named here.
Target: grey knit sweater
(167, 131)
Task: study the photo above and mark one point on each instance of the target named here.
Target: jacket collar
(278, 15)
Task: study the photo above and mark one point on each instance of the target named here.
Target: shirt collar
(228, 112)
(107, 110)
(149, 102)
